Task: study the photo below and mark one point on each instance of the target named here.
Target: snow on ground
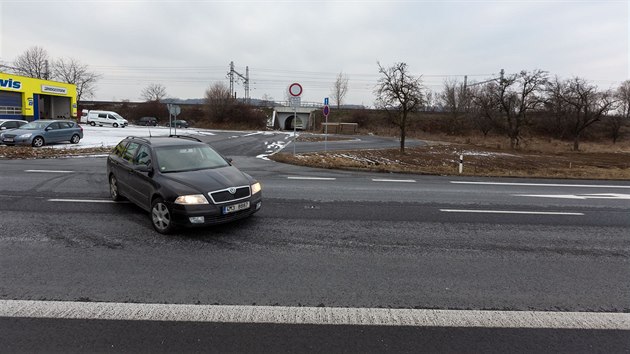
(109, 137)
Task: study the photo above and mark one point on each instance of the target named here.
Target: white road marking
(48, 171)
(509, 212)
(394, 180)
(578, 196)
(313, 315)
(83, 201)
(541, 184)
(313, 178)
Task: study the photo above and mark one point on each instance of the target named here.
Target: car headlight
(256, 187)
(25, 136)
(192, 199)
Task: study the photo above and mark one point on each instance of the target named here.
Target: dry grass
(548, 159)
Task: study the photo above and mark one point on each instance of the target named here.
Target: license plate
(235, 207)
(8, 140)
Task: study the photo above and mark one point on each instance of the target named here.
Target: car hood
(211, 179)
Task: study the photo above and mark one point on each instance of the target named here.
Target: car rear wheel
(38, 141)
(113, 188)
(92, 124)
(115, 125)
(75, 139)
(161, 217)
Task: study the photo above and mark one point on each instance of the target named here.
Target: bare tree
(154, 92)
(399, 93)
(73, 72)
(220, 102)
(453, 99)
(485, 107)
(586, 105)
(519, 94)
(32, 63)
(622, 95)
(339, 89)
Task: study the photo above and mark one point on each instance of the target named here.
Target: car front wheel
(161, 217)
(38, 141)
(115, 125)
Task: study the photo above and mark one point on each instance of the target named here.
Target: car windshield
(188, 158)
(118, 116)
(35, 125)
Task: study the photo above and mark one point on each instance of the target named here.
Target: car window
(130, 152)
(65, 125)
(102, 115)
(188, 158)
(120, 148)
(143, 157)
(111, 117)
(53, 126)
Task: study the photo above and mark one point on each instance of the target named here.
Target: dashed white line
(313, 178)
(509, 212)
(541, 184)
(48, 171)
(394, 180)
(313, 315)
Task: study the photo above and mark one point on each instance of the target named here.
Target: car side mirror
(143, 168)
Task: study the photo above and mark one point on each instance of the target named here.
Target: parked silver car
(42, 132)
(6, 124)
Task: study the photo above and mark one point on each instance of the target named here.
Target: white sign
(54, 89)
(174, 109)
(295, 102)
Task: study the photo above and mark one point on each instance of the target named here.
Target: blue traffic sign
(326, 101)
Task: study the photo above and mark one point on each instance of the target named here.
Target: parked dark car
(6, 124)
(41, 132)
(147, 121)
(178, 123)
(181, 181)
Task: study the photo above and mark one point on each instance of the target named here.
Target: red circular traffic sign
(295, 89)
(326, 110)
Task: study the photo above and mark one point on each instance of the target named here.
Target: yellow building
(27, 98)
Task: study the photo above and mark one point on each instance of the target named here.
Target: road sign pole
(294, 128)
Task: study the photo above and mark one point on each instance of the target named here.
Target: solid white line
(540, 184)
(509, 212)
(48, 171)
(83, 200)
(313, 315)
(394, 180)
(313, 178)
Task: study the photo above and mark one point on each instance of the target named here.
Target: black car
(178, 123)
(181, 181)
(147, 121)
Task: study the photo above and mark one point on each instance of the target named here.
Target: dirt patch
(320, 137)
(27, 152)
(443, 159)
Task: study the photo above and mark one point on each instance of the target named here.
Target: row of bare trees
(507, 104)
(36, 63)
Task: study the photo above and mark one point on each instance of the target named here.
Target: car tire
(93, 124)
(161, 217)
(113, 189)
(115, 125)
(75, 139)
(38, 141)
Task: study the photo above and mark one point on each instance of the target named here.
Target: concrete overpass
(284, 118)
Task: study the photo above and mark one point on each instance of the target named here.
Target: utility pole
(245, 78)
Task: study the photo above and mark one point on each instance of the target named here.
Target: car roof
(180, 140)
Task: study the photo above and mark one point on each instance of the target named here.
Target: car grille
(224, 195)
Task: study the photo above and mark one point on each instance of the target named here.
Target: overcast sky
(188, 45)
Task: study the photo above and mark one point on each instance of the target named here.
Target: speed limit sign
(295, 89)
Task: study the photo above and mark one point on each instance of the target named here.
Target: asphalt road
(323, 239)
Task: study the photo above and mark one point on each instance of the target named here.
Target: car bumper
(17, 141)
(190, 216)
